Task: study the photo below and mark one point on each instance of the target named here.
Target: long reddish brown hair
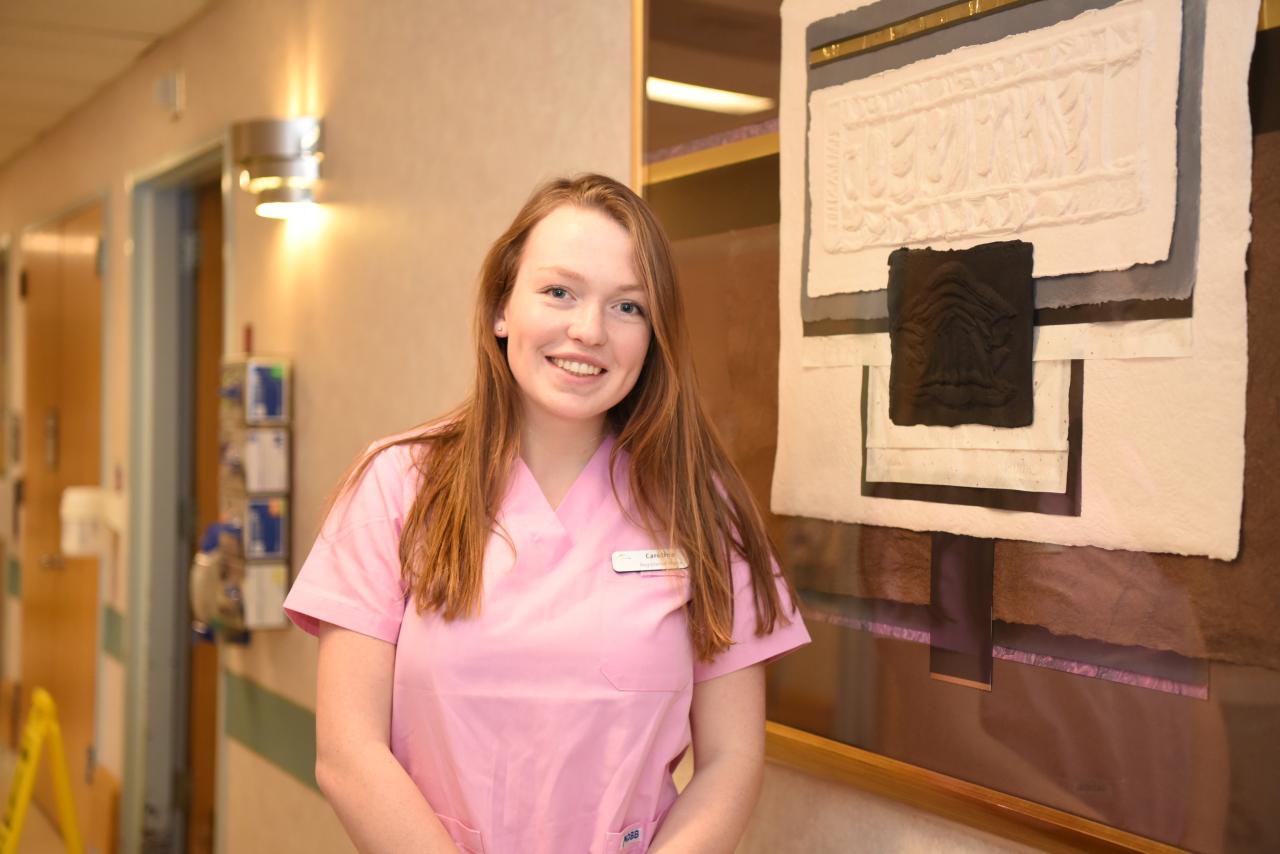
(681, 478)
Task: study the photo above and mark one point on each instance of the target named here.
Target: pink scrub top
(550, 722)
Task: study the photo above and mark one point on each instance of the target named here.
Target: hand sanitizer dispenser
(81, 512)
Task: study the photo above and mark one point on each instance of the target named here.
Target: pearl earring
(502, 329)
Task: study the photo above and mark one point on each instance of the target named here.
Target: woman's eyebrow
(563, 272)
(566, 273)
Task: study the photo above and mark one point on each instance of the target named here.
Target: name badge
(649, 560)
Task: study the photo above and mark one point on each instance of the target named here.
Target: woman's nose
(587, 325)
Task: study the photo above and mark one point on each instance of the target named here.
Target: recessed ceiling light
(704, 97)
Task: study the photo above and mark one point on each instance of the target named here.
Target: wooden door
(202, 708)
(61, 448)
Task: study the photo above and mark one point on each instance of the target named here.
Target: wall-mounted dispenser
(254, 484)
(83, 521)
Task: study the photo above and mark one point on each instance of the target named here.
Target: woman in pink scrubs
(530, 608)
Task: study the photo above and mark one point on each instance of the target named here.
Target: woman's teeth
(578, 368)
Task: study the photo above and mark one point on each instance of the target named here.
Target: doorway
(202, 354)
(172, 697)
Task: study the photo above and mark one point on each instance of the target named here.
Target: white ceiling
(55, 54)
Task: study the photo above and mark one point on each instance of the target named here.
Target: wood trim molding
(968, 803)
(1269, 15)
(639, 46)
(738, 151)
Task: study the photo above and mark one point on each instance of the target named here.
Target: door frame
(7, 468)
(156, 680)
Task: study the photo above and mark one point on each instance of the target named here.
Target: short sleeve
(352, 578)
(748, 648)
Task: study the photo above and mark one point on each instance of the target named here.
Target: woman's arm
(380, 807)
(727, 720)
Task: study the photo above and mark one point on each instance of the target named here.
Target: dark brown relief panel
(960, 328)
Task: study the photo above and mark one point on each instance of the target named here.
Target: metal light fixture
(279, 162)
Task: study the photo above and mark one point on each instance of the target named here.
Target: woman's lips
(577, 368)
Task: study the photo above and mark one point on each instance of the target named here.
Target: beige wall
(440, 117)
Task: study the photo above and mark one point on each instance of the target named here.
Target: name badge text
(649, 560)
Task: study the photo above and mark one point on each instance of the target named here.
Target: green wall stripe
(113, 633)
(13, 578)
(278, 730)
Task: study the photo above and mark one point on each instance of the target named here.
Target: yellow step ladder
(42, 726)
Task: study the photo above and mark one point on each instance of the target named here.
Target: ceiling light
(704, 97)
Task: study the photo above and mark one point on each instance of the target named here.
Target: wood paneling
(202, 708)
(62, 447)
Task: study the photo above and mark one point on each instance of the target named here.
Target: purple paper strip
(1093, 671)
(735, 135)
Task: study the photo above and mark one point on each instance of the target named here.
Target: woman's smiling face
(576, 320)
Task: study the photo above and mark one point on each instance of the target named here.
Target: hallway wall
(440, 118)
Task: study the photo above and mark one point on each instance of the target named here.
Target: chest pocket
(644, 635)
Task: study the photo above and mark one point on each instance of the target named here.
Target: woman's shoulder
(406, 451)
(386, 476)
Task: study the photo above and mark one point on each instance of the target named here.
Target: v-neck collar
(587, 493)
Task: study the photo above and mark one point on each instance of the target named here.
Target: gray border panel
(1172, 279)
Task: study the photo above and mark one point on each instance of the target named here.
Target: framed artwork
(1051, 608)
(1036, 568)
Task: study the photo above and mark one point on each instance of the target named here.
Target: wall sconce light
(279, 162)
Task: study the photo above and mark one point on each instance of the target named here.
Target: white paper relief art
(1050, 384)
(1024, 471)
(1064, 136)
(988, 149)
(1126, 339)
(1159, 395)
(1032, 458)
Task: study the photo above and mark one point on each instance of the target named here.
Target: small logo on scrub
(632, 836)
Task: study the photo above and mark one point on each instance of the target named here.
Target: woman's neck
(555, 457)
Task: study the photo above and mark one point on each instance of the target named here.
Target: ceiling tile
(143, 17)
(60, 94)
(55, 54)
(93, 68)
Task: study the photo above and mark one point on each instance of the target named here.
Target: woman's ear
(500, 323)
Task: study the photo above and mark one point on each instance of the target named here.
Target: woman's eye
(557, 292)
(632, 308)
